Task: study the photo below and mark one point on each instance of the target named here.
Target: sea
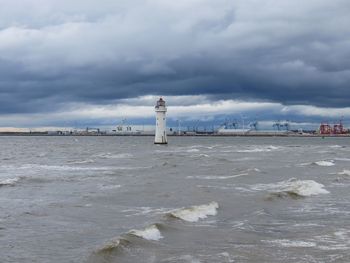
(197, 199)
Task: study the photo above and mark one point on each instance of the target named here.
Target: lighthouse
(160, 109)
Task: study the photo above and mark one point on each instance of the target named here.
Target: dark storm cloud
(56, 52)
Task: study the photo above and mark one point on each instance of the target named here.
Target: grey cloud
(56, 52)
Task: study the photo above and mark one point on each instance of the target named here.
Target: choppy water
(123, 199)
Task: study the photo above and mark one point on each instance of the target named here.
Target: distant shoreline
(45, 134)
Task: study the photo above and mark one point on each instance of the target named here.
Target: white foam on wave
(9, 181)
(114, 156)
(216, 177)
(304, 164)
(345, 172)
(195, 213)
(336, 146)
(109, 187)
(293, 186)
(260, 149)
(208, 147)
(149, 233)
(325, 163)
(306, 188)
(112, 245)
(291, 243)
(343, 234)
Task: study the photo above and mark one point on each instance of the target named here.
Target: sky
(94, 63)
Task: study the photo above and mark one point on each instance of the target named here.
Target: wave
(114, 156)
(200, 155)
(303, 188)
(293, 188)
(324, 163)
(144, 210)
(153, 232)
(70, 168)
(337, 146)
(342, 159)
(260, 149)
(291, 243)
(216, 177)
(149, 233)
(338, 240)
(109, 187)
(112, 245)
(345, 172)
(210, 147)
(82, 161)
(319, 163)
(9, 181)
(126, 243)
(195, 213)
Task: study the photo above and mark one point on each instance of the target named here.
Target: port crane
(281, 126)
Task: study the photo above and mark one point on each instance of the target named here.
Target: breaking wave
(319, 163)
(129, 244)
(195, 213)
(336, 146)
(345, 172)
(293, 188)
(9, 181)
(216, 177)
(149, 233)
(112, 245)
(125, 242)
(325, 163)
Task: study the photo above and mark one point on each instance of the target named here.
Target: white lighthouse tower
(160, 109)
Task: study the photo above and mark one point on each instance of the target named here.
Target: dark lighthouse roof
(160, 102)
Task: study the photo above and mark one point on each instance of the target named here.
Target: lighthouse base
(160, 142)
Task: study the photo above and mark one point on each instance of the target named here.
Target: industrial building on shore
(161, 131)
